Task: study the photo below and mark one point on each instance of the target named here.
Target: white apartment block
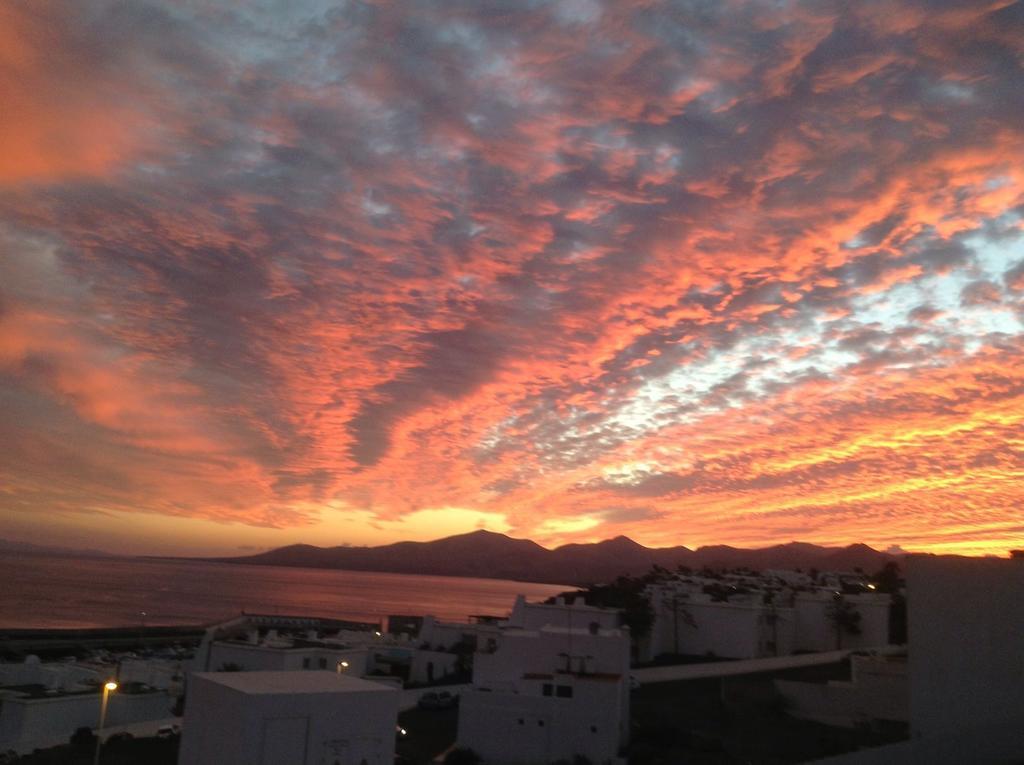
(287, 718)
(551, 691)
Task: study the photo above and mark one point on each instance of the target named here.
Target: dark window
(521, 721)
(540, 723)
(564, 691)
(593, 729)
(546, 689)
(305, 663)
(322, 663)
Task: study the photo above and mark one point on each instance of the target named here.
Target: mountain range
(486, 554)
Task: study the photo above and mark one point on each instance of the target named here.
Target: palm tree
(676, 602)
(844, 617)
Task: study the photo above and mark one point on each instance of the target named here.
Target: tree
(888, 578)
(844, 618)
(889, 581)
(83, 739)
(771, 618)
(676, 603)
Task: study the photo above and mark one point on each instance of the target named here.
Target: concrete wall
(877, 690)
(26, 723)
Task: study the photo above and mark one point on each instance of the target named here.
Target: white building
(284, 656)
(264, 644)
(45, 718)
(750, 617)
(550, 692)
(693, 623)
(54, 676)
(571, 613)
(817, 631)
(287, 718)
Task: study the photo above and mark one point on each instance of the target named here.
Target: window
(322, 662)
(540, 723)
(522, 721)
(547, 689)
(593, 729)
(564, 691)
(305, 663)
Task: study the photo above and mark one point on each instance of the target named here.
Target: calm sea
(44, 591)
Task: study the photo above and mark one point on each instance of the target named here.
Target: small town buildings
(757, 616)
(268, 644)
(287, 718)
(450, 636)
(550, 692)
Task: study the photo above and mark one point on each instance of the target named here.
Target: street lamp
(108, 687)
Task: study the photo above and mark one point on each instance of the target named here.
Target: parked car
(168, 731)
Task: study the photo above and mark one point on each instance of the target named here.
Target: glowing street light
(342, 666)
(108, 687)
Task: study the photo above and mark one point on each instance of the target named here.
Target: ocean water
(45, 591)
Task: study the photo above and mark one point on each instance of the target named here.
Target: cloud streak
(695, 272)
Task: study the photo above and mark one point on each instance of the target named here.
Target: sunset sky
(693, 272)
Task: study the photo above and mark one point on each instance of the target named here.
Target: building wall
(260, 658)
(29, 723)
(815, 632)
(430, 666)
(966, 641)
(727, 630)
(444, 635)
(545, 650)
(167, 675)
(568, 614)
(57, 675)
(528, 728)
(223, 726)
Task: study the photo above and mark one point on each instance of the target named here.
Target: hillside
(497, 556)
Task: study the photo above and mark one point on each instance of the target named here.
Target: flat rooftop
(271, 683)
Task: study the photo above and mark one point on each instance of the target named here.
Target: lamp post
(108, 686)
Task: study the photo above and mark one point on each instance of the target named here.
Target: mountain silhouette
(486, 554)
